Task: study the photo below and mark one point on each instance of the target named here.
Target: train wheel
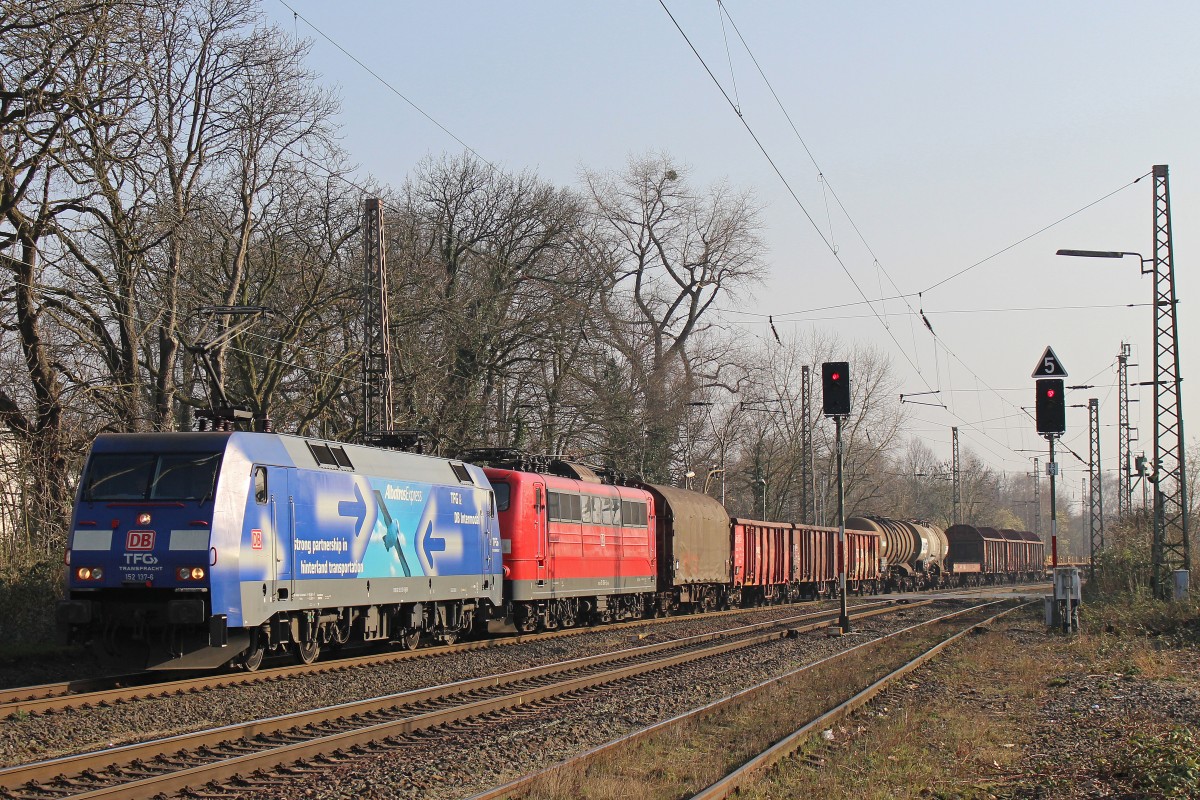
(254, 654)
(409, 639)
(307, 652)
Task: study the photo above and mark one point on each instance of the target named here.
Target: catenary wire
(832, 248)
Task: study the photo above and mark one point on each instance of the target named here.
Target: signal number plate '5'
(139, 540)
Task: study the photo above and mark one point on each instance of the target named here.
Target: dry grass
(684, 759)
(926, 738)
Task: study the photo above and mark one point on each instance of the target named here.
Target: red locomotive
(575, 550)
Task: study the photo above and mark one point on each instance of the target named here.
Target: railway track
(110, 690)
(98, 692)
(789, 745)
(535, 785)
(191, 760)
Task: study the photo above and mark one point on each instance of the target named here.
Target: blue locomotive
(215, 547)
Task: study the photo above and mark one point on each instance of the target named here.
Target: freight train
(216, 548)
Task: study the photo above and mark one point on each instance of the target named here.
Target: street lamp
(1170, 515)
(1109, 254)
(716, 470)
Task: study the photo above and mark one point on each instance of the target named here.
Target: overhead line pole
(378, 413)
(956, 479)
(1171, 548)
(808, 495)
(1095, 490)
(1037, 497)
(1124, 461)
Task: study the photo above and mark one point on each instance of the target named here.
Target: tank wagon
(217, 546)
(914, 551)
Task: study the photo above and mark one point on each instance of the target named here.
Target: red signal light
(1051, 411)
(837, 376)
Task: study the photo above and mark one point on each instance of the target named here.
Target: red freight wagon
(774, 561)
(1016, 552)
(1020, 548)
(573, 550)
(862, 560)
(764, 559)
(816, 566)
(1037, 549)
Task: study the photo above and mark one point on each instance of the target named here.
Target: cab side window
(260, 485)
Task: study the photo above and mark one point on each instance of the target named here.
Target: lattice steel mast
(1095, 514)
(956, 479)
(1037, 497)
(378, 414)
(1124, 459)
(808, 495)
(1170, 550)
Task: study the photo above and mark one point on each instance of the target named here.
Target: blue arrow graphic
(356, 508)
(432, 544)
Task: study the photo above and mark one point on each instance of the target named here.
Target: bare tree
(53, 67)
(674, 250)
(483, 260)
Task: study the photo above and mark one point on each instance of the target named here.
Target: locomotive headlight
(197, 573)
(97, 574)
(83, 573)
(183, 573)
(143, 519)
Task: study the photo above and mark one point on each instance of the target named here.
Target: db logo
(139, 540)
(256, 539)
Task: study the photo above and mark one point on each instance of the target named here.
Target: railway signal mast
(1051, 422)
(835, 401)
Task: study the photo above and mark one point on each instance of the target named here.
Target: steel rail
(55, 697)
(88, 766)
(516, 787)
(16, 695)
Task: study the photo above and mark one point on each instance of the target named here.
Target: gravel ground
(35, 738)
(1087, 719)
(455, 764)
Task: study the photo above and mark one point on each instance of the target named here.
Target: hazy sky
(949, 131)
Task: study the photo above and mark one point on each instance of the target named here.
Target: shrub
(1164, 765)
(28, 595)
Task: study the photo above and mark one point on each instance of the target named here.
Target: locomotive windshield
(151, 476)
